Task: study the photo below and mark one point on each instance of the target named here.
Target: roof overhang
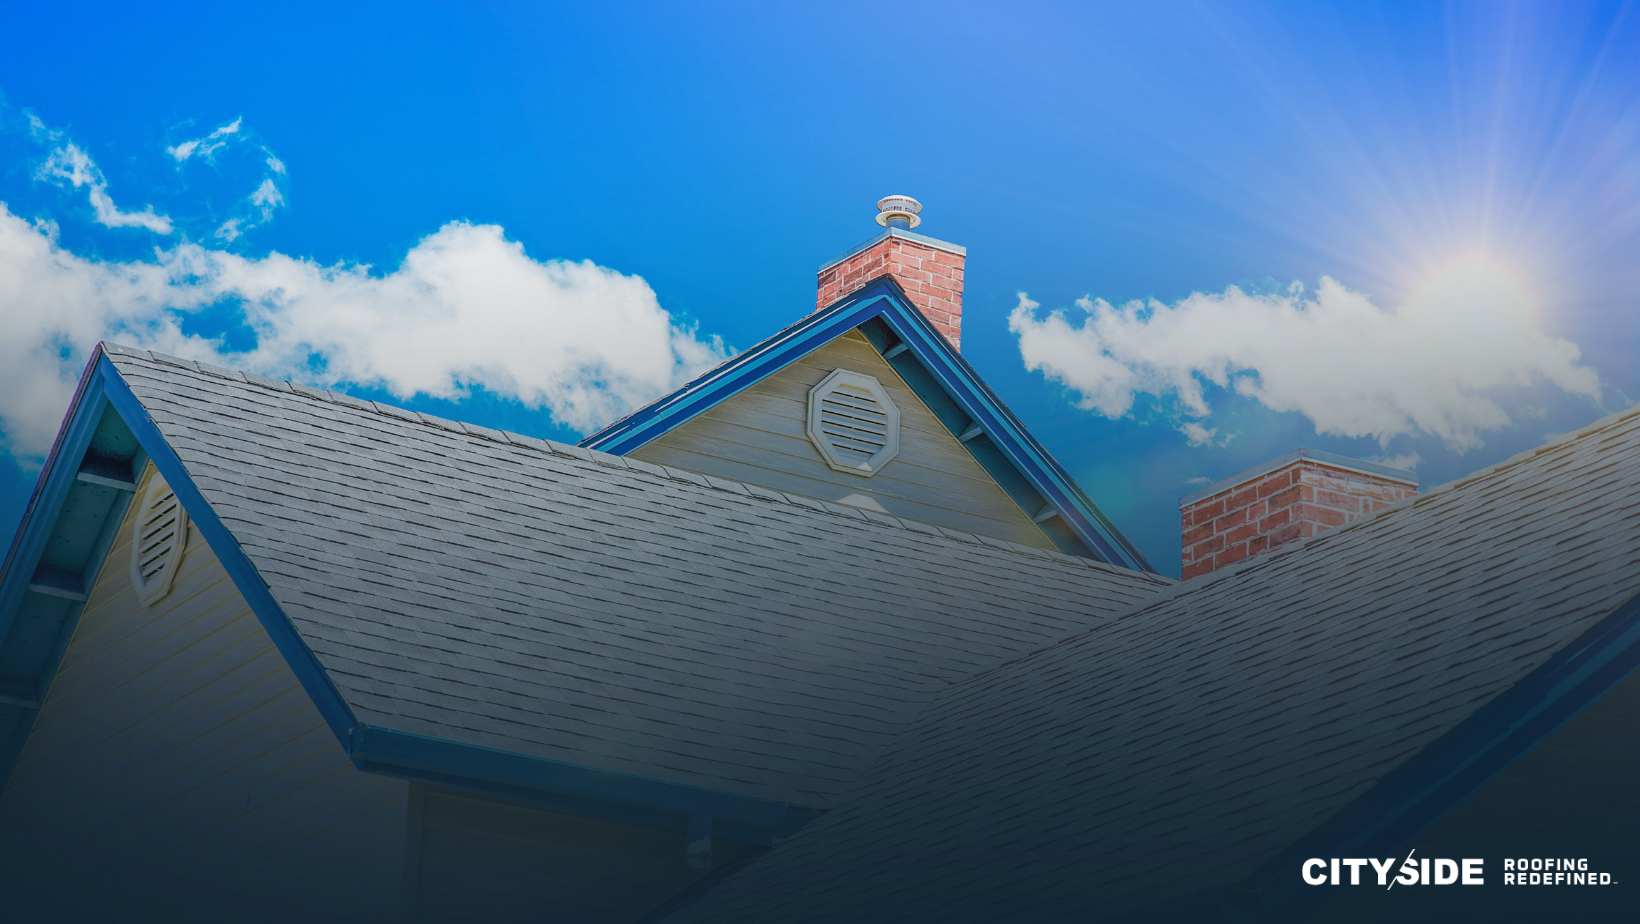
(104, 445)
(940, 377)
(78, 501)
(109, 436)
(1417, 793)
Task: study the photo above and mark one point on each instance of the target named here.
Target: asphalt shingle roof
(504, 591)
(1182, 745)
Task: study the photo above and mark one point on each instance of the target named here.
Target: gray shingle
(559, 602)
(1183, 744)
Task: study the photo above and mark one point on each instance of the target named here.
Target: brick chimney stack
(1291, 497)
(930, 271)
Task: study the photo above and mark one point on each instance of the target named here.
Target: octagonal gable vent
(853, 423)
(161, 535)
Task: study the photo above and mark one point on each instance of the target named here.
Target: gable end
(951, 390)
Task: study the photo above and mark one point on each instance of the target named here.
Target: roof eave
(965, 386)
(570, 787)
(102, 387)
(566, 786)
(73, 437)
(1440, 776)
(24, 695)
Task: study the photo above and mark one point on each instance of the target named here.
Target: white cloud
(467, 308)
(1406, 461)
(257, 208)
(1197, 434)
(68, 163)
(1199, 479)
(1351, 367)
(263, 200)
(267, 195)
(207, 146)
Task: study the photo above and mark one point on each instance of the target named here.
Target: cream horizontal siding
(178, 771)
(490, 862)
(760, 436)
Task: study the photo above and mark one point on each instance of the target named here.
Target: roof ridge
(1589, 429)
(610, 460)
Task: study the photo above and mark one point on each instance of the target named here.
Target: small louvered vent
(157, 545)
(853, 423)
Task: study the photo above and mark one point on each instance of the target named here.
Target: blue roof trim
(731, 377)
(571, 787)
(555, 784)
(933, 354)
(49, 493)
(28, 545)
(245, 577)
(1435, 780)
(976, 398)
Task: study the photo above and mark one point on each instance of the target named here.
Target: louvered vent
(853, 423)
(157, 545)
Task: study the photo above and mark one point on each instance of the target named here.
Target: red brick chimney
(1290, 497)
(929, 271)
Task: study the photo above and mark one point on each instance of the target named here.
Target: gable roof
(1328, 701)
(940, 377)
(553, 623)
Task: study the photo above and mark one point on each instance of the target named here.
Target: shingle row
(522, 594)
(1182, 745)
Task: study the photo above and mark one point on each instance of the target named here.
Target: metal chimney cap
(898, 208)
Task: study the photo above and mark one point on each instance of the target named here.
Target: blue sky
(388, 212)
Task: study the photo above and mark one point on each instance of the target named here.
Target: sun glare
(1474, 290)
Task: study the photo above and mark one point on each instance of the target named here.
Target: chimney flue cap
(898, 212)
